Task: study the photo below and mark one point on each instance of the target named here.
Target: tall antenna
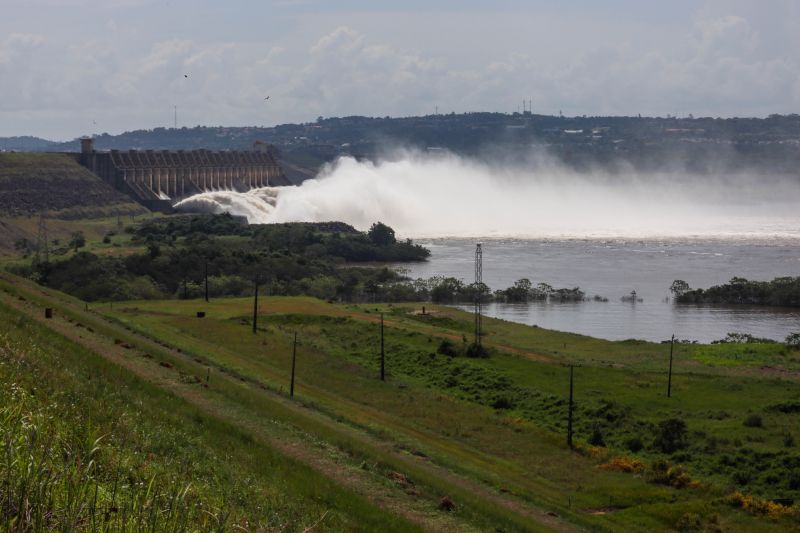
(478, 285)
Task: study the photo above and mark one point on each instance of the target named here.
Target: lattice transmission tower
(478, 285)
(42, 247)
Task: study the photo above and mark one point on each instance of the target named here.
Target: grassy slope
(505, 449)
(149, 433)
(348, 458)
(501, 467)
(71, 198)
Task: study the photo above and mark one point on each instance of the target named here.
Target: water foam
(436, 196)
(256, 205)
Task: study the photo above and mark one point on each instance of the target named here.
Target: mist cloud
(445, 195)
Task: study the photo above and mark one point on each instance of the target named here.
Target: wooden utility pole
(255, 307)
(669, 380)
(569, 414)
(294, 359)
(383, 365)
(205, 272)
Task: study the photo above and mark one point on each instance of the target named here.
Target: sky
(74, 67)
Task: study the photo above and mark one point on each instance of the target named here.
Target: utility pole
(383, 358)
(294, 358)
(255, 307)
(669, 380)
(205, 272)
(478, 285)
(569, 414)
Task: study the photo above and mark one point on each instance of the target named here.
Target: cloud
(16, 45)
(723, 58)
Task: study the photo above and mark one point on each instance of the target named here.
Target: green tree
(77, 240)
(542, 291)
(520, 291)
(679, 288)
(381, 234)
(445, 290)
(793, 340)
(671, 435)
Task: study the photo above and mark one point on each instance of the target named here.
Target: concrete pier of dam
(158, 179)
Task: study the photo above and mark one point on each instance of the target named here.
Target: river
(613, 268)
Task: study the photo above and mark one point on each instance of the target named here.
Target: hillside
(96, 438)
(56, 187)
(34, 182)
(696, 144)
(446, 443)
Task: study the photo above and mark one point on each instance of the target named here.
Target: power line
(42, 249)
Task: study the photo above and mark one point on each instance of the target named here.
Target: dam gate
(158, 179)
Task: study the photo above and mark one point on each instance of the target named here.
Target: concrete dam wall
(158, 179)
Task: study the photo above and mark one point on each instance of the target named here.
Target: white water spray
(425, 196)
(256, 205)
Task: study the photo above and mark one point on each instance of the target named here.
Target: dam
(158, 179)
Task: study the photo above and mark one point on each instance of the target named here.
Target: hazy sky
(71, 67)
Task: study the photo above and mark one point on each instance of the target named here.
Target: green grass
(88, 444)
(68, 195)
(434, 420)
(339, 364)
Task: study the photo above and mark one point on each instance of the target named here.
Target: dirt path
(401, 499)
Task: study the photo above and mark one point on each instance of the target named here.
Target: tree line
(780, 292)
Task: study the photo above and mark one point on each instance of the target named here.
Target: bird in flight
(185, 75)
(267, 98)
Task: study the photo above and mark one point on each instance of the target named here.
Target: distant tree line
(780, 292)
(332, 261)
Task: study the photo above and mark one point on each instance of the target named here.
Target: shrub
(503, 402)
(596, 438)
(623, 464)
(794, 480)
(448, 347)
(758, 507)
(754, 421)
(634, 444)
(697, 522)
(477, 350)
(671, 435)
(662, 473)
(690, 522)
(742, 477)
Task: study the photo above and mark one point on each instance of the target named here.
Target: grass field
(489, 434)
(69, 197)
